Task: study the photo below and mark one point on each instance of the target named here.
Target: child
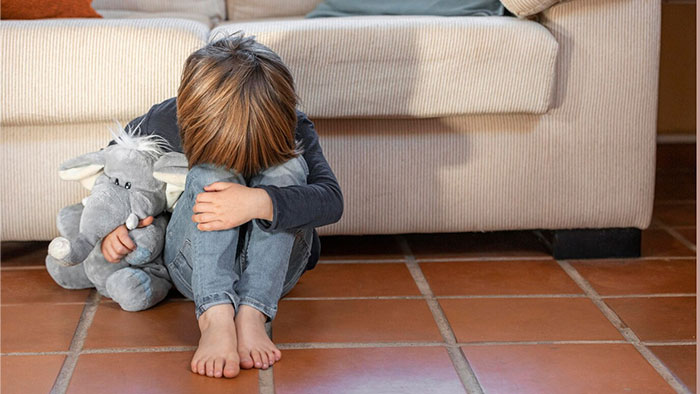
(242, 232)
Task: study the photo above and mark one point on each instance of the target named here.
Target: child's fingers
(216, 186)
(125, 240)
(202, 207)
(146, 222)
(212, 226)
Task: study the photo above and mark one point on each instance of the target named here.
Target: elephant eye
(116, 181)
(128, 185)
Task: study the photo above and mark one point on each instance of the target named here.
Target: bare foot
(254, 346)
(216, 354)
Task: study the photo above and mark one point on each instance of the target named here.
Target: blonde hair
(236, 106)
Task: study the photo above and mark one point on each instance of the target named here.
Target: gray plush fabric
(335, 8)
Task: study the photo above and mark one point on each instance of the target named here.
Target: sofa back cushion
(215, 10)
(412, 66)
(239, 10)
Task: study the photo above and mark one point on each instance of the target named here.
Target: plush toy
(129, 181)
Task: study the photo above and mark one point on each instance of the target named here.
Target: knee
(291, 172)
(205, 174)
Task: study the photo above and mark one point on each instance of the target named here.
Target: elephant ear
(84, 168)
(171, 168)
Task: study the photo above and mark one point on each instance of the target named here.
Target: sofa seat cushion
(412, 66)
(88, 70)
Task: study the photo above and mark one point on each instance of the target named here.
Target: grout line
(625, 330)
(148, 349)
(428, 260)
(464, 370)
(481, 258)
(353, 298)
(43, 303)
(359, 261)
(32, 353)
(478, 296)
(266, 381)
(64, 376)
(353, 345)
(675, 234)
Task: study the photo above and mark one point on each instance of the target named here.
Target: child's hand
(225, 205)
(118, 244)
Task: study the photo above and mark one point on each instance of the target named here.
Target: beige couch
(431, 124)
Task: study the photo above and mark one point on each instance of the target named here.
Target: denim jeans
(243, 265)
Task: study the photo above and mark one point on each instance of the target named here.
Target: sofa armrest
(528, 7)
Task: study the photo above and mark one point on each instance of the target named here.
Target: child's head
(236, 106)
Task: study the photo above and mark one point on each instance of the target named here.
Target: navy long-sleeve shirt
(318, 203)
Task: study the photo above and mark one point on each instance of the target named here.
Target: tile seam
(626, 331)
(266, 378)
(64, 376)
(675, 234)
(459, 360)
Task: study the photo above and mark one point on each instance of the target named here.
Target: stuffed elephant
(129, 181)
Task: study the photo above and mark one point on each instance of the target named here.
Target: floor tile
(675, 187)
(35, 285)
(498, 277)
(153, 373)
(354, 321)
(29, 374)
(628, 276)
(564, 369)
(39, 327)
(170, 323)
(477, 244)
(682, 214)
(356, 280)
(527, 319)
(657, 318)
(360, 247)
(688, 233)
(25, 253)
(681, 360)
(405, 370)
(659, 243)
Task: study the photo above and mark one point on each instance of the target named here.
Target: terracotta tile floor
(436, 313)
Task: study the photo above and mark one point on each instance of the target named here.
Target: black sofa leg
(593, 243)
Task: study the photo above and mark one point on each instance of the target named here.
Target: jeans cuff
(268, 311)
(215, 299)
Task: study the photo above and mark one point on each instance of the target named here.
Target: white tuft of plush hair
(153, 145)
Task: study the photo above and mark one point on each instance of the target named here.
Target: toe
(246, 360)
(218, 367)
(256, 358)
(210, 367)
(277, 353)
(193, 365)
(264, 359)
(271, 357)
(200, 367)
(231, 368)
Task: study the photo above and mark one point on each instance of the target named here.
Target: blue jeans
(217, 267)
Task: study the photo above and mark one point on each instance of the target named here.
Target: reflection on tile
(39, 327)
(527, 319)
(161, 372)
(356, 280)
(354, 321)
(36, 285)
(659, 243)
(629, 276)
(689, 234)
(29, 374)
(403, 370)
(498, 277)
(166, 324)
(657, 318)
(564, 368)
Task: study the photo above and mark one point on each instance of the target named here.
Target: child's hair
(236, 106)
